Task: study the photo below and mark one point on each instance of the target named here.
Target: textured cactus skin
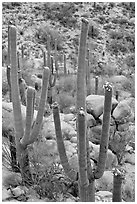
(81, 104)
(56, 60)
(96, 85)
(8, 65)
(65, 67)
(61, 148)
(23, 138)
(118, 177)
(88, 77)
(87, 175)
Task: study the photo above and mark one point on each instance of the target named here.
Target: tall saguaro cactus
(86, 175)
(24, 137)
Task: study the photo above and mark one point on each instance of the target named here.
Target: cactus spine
(22, 139)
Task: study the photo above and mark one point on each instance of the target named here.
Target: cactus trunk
(118, 178)
(96, 85)
(81, 108)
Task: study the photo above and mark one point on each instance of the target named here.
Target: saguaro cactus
(86, 175)
(25, 137)
(96, 85)
(119, 176)
(65, 67)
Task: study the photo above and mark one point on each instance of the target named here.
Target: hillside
(111, 36)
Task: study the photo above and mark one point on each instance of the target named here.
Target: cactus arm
(29, 115)
(56, 62)
(96, 85)
(14, 86)
(52, 79)
(44, 56)
(82, 156)
(65, 68)
(61, 148)
(81, 66)
(48, 51)
(105, 132)
(22, 51)
(8, 65)
(118, 178)
(8, 46)
(88, 78)
(38, 122)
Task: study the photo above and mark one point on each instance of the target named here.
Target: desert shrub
(5, 88)
(130, 60)
(62, 12)
(65, 100)
(67, 84)
(50, 182)
(93, 30)
(43, 31)
(116, 47)
(116, 34)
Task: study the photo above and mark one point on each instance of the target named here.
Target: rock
(17, 191)
(129, 158)
(94, 133)
(6, 194)
(122, 112)
(91, 122)
(8, 118)
(69, 117)
(119, 79)
(73, 140)
(105, 183)
(104, 196)
(48, 128)
(123, 127)
(95, 104)
(10, 179)
(70, 148)
(128, 187)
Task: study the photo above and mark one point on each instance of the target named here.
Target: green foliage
(62, 12)
(67, 84)
(43, 31)
(50, 182)
(65, 100)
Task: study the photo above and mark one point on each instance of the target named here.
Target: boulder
(103, 196)
(48, 128)
(105, 183)
(8, 118)
(122, 112)
(95, 105)
(91, 122)
(94, 133)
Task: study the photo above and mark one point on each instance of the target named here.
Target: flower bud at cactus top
(108, 86)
